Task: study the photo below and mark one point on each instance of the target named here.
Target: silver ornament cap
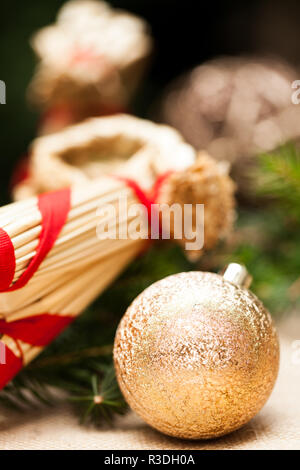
(237, 274)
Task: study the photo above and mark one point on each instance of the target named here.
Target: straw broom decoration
(53, 265)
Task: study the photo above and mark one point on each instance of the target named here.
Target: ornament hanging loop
(237, 274)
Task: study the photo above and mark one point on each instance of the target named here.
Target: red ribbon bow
(37, 330)
(148, 199)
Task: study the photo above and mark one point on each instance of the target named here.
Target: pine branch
(278, 176)
(266, 241)
(102, 401)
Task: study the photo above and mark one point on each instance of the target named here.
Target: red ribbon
(21, 171)
(12, 366)
(148, 199)
(38, 330)
(54, 208)
(7, 261)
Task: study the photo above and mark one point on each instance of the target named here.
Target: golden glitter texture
(196, 356)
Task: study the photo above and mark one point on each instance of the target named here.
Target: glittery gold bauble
(196, 355)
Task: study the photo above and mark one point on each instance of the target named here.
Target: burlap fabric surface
(277, 426)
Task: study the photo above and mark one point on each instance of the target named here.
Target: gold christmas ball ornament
(196, 354)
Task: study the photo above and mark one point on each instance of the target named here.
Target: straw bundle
(79, 264)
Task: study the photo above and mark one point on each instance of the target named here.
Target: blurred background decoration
(235, 108)
(185, 33)
(103, 53)
(266, 239)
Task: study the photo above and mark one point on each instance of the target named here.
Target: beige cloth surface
(277, 426)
